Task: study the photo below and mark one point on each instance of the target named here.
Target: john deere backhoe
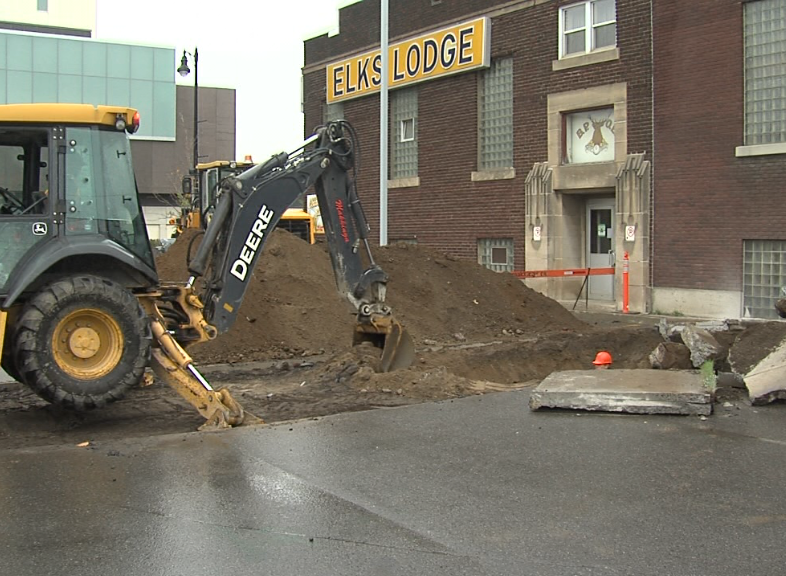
(82, 310)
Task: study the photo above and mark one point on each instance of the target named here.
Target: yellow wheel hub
(87, 344)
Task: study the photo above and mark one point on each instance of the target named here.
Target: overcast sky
(253, 46)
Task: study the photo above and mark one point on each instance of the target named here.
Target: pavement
(479, 486)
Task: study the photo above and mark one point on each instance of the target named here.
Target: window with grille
(587, 26)
(333, 111)
(764, 272)
(404, 148)
(496, 254)
(765, 77)
(496, 115)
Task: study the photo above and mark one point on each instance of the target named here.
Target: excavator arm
(248, 209)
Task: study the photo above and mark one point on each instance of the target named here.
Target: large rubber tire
(82, 342)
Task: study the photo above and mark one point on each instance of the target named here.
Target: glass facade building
(35, 68)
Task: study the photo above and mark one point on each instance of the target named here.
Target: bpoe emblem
(39, 229)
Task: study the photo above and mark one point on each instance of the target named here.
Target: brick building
(565, 134)
(720, 156)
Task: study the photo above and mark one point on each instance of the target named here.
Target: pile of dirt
(292, 307)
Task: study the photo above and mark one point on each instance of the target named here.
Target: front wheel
(82, 342)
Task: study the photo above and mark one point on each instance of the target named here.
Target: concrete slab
(766, 381)
(634, 391)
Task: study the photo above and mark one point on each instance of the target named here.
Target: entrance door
(600, 246)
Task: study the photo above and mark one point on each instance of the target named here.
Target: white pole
(383, 127)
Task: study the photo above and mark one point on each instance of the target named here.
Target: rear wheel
(82, 342)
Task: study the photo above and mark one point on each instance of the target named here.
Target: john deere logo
(39, 229)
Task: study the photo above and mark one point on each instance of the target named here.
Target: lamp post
(183, 70)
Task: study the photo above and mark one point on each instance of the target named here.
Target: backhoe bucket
(399, 350)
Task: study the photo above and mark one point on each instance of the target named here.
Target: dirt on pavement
(289, 354)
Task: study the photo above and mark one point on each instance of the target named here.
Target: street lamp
(184, 70)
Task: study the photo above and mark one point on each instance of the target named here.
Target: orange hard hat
(602, 358)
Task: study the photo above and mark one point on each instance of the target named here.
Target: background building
(536, 158)
(591, 129)
(720, 163)
(47, 55)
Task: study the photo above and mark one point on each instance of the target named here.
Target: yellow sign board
(447, 51)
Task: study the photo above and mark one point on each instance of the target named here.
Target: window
(589, 136)
(43, 5)
(586, 27)
(764, 273)
(496, 254)
(765, 79)
(496, 116)
(100, 190)
(24, 194)
(407, 130)
(404, 148)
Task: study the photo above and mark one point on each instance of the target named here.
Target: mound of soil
(292, 307)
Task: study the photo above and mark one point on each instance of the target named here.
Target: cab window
(24, 173)
(101, 193)
(24, 189)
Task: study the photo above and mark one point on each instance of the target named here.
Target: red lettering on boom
(342, 220)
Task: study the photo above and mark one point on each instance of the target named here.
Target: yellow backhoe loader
(82, 310)
(201, 190)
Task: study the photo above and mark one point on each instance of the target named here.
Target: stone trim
(760, 150)
(605, 55)
(493, 174)
(596, 97)
(411, 182)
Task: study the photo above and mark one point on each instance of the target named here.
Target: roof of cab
(64, 113)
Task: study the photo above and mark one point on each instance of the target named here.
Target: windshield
(101, 190)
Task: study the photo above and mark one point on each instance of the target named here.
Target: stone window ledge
(493, 174)
(760, 150)
(605, 55)
(411, 182)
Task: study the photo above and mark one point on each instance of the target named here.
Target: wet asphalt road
(479, 486)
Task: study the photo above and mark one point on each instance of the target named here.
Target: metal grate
(496, 116)
(404, 146)
(496, 254)
(765, 80)
(764, 272)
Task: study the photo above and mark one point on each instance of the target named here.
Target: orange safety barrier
(563, 273)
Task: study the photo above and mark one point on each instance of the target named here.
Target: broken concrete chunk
(714, 325)
(702, 345)
(729, 380)
(670, 355)
(632, 391)
(766, 382)
(670, 333)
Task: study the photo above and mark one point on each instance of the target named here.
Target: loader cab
(209, 176)
(68, 195)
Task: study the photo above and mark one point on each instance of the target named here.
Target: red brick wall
(706, 201)
(448, 210)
